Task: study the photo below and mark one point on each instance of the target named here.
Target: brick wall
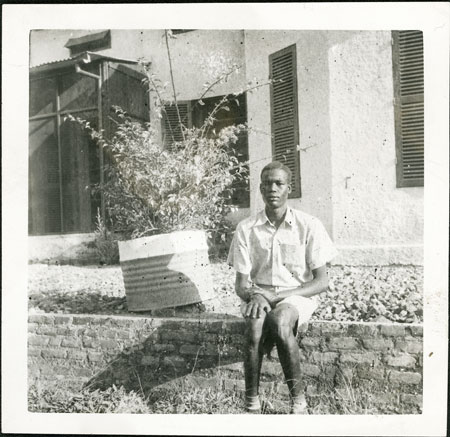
(136, 352)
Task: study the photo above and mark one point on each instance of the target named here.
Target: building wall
(369, 212)
(347, 165)
(346, 118)
(312, 78)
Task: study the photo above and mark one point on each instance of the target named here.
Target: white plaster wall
(345, 106)
(198, 57)
(313, 89)
(369, 211)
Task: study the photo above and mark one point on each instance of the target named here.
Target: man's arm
(316, 286)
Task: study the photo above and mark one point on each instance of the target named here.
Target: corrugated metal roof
(85, 57)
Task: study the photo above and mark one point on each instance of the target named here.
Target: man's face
(275, 188)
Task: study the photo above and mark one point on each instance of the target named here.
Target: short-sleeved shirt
(283, 257)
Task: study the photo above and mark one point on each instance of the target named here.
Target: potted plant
(168, 202)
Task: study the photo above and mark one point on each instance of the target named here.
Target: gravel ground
(355, 293)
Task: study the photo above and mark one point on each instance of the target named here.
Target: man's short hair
(278, 165)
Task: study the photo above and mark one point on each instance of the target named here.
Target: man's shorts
(304, 305)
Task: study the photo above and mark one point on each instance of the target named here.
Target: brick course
(73, 348)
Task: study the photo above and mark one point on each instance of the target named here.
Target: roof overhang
(82, 58)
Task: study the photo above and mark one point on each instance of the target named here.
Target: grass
(183, 398)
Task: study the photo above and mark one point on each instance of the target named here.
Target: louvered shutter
(409, 106)
(170, 124)
(284, 112)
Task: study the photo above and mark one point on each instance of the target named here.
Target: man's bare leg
(253, 360)
(281, 322)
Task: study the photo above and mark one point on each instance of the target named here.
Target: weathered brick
(83, 372)
(358, 358)
(310, 342)
(95, 357)
(109, 344)
(162, 347)
(63, 330)
(328, 328)
(52, 370)
(416, 330)
(91, 343)
(376, 373)
(63, 320)
(204, 382)
(327, 372)
(180, 336)
(34, 352)
(272, 368)
(41, 319)
(310, 370)
(410, 345)
(403, 360)
(71, 342)
(234, 367)
(229, 351)
(303, 355)
(393, 330)
(82, 320)
(324, 357)
(267, 386)
(54, 353)
(362, 330)
(32, 327)
(149, 360)
(76, 354)
(38, 340)
(124, 335)
(405, 377)
(234, 327)
(109, 333)
(311, 390)
(55, 341)
(191, 349)
(342, 343)
(234, 384)
(47, 330)
(215, 327)
(282, 389)
(174, 361)
(377, 344)
(386, 398)
(90, 332)
(414, 399)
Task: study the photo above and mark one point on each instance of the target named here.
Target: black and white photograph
(230, 218)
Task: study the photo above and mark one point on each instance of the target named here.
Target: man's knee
(254, 331)
(281, 322)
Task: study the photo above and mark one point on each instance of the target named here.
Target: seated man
(280, 258)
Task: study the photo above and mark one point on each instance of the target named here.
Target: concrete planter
(166, 270)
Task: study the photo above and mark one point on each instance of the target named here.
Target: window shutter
(284, 112)
(170, 124)
(409, 106)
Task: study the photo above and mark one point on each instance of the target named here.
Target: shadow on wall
(172, 350)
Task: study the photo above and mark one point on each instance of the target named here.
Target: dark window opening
(194, 113)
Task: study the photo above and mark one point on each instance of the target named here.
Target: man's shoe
(299, 405)
(252, 405)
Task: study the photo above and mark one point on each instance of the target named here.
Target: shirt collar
(262, 218)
